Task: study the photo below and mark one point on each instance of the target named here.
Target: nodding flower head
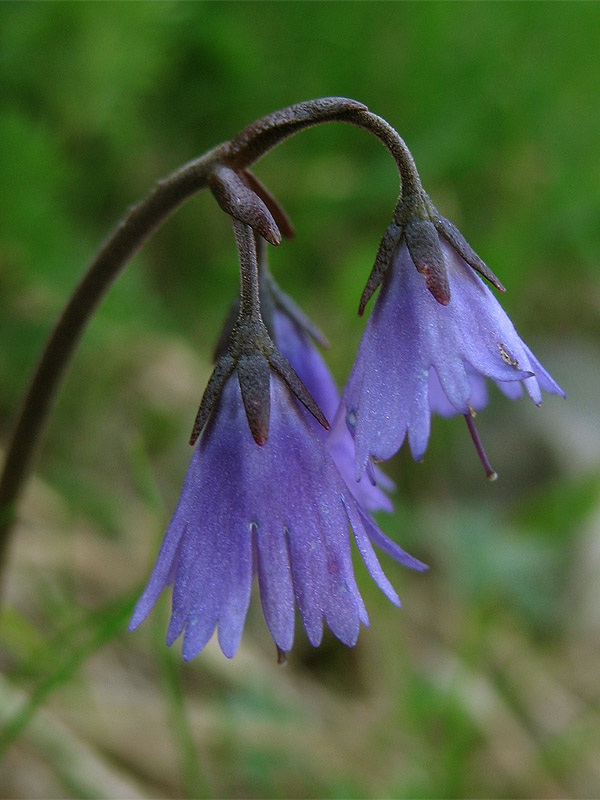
(436, 331)
(279, 510)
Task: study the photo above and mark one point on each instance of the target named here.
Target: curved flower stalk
(427, 351)
(279, 510)
(225, 168)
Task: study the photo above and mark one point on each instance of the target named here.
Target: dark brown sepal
(279, 214)
(424, 247)
(385, 252)
(214, 387)
(454, 237)
(240, 202)
(284, 369)
(254, 376)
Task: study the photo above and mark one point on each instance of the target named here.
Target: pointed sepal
(238, 200)
(455, 238)
(254, 377)
(385, 252)
(284, 369)
(214, 387)
(424, 247)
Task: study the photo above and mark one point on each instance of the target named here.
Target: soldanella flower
(435, 333)
(278, 510)
(273, 491)
(263, 496)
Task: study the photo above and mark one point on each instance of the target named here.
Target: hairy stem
(261, 136)
(249, 285)
(129, 235)
(395, 144)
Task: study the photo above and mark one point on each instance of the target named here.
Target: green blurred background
(485, 683)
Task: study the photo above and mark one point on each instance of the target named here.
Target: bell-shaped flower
(279, 510)
(435, 333)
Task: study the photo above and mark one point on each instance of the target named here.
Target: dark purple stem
(128, 236)
(249, 284)
(489, 470)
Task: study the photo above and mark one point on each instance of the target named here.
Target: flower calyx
(271, 297)
(417, 222)
(242, 202)
(454, 237)
(252, 354)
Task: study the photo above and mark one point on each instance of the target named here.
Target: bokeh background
(485, 683)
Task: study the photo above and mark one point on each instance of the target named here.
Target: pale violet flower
(279, 510)
(421, 353)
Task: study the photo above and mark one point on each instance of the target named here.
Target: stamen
(489, 471)
(281, 656)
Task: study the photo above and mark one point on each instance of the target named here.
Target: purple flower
(295, 344)
(279, 510)
(420, 354)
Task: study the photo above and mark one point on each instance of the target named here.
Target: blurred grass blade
(102, 625)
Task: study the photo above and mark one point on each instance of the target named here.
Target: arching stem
(126, 239)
